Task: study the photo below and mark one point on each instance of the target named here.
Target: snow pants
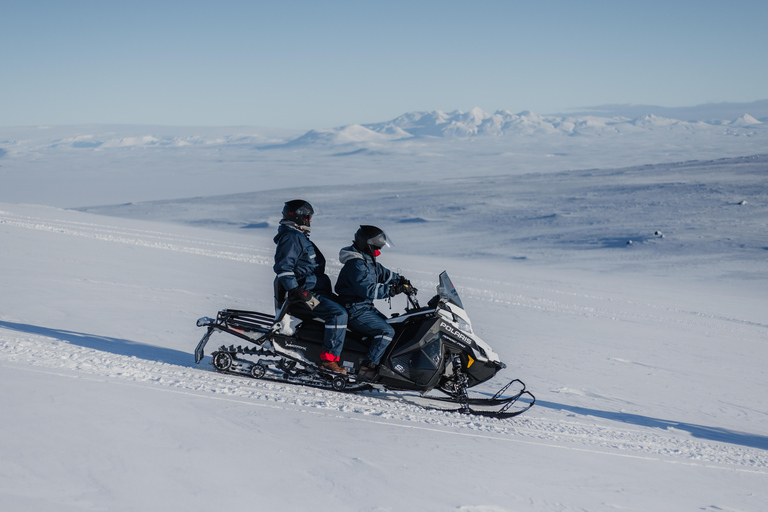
(335, 317)
(367, 320)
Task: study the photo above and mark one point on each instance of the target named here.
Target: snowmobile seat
(313, 327)
(303, 314)
(314, 331)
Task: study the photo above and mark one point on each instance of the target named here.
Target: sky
(314, 64)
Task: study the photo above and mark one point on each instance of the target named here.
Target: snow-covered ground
(648, 360)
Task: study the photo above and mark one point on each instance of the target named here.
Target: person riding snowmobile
(362, 280)
(300, 269)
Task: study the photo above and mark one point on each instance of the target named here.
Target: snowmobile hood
(350, 253)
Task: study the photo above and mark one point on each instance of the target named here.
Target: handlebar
(412, 300)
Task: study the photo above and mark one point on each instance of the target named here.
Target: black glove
(305, 297)
(408, 288)
(402, 286)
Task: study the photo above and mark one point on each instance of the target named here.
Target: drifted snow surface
(648, 359)
(651, 391)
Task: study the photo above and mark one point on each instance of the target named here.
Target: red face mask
(376, 253)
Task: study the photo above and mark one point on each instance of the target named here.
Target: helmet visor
(380, 240)
(305, 210)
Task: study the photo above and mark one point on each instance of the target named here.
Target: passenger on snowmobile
(362, 280)
(300, 269)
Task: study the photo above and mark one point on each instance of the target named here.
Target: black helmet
(370, 238)
(298, 211)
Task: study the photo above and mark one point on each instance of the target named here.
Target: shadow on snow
(130, 348)
(700, 431)
(116, 346)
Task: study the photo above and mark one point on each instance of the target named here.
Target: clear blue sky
(314, 64)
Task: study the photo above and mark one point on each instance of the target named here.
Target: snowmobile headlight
(463, 324)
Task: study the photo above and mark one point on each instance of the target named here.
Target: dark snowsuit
(298, 262)
(360, 281)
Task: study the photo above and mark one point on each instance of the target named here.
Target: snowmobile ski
(502, 404)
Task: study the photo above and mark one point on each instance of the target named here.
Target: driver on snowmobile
(300, 269)
(362, 280)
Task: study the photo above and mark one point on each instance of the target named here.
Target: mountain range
(716, 119)
(477, 122)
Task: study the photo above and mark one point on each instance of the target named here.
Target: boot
(333, 367)
(367, 370)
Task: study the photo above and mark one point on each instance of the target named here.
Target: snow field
(52, 357)
(651, 391)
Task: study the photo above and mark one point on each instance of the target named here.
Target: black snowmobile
(434, 348)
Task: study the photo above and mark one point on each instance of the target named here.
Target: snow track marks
(143, 238)
(50, 355)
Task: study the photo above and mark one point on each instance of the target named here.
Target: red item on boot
(327, 356)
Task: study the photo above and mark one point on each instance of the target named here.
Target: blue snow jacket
(298, 262)
(362, 279)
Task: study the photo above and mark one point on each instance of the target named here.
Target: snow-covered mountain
(477, 122)
(745, 120)
(73, 166)
(103, 137)
(347, 134)
(713, 113)
(458, 124)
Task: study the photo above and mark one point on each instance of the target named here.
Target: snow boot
(368, 370)
(333, 367)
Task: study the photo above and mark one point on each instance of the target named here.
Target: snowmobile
(434, 348)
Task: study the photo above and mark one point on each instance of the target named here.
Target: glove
(408, 288)
(402, 286)
(305, 297)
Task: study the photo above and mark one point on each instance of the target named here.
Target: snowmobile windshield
(446, 290)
